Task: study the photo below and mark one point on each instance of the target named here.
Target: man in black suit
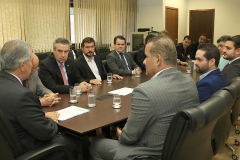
(193, 47)
(58, 72)
(119, 61)
(232, 53)
(183, 48)
(141, 53)
(89, 65)
(21, 106)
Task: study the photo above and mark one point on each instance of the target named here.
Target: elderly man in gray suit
(119, 61)
(154, 103)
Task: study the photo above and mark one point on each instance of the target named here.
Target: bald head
(34, 63)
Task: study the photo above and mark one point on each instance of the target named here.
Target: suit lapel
(98, 65)
(56, 67)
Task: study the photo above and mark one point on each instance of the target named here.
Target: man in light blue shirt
(221, 44)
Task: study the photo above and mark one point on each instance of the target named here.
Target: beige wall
(152, 13)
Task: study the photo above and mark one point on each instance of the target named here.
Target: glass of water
(116, 101)
(77, 88)
(91, 99)
(109, 78)
(73, 95)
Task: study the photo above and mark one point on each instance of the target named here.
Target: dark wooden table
(103, 114)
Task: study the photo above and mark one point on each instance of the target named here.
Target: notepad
(70, 112)
(122, 91)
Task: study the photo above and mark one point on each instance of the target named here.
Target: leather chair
(234, 89)
(105, 66)
(189, 134)
(102, 49)
(41, 56)
(103, 55)
(134, 55)
(222, 128)
(11, 147)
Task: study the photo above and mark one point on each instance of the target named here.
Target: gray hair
(61, 41)
(165, 47)
(13, 53)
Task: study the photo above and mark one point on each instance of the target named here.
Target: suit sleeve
(31, 116)
(232, 72)
(41, 89)
(140, 58)
(47, 79)
(141, 116)
(204, 91)
(112, 64)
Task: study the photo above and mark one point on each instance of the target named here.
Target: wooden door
(171, 22)
(201, 21)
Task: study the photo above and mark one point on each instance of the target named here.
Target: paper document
(71, 112)
(122, 91)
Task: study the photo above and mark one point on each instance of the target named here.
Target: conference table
(103, 113)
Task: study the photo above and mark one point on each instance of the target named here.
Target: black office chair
(189, 134)
(11, 147)
(102, 50)
(134, 55)
(103, 55)
(234, 89)
(41, 56)
(78, 52)
(222, 128)
(105, 66)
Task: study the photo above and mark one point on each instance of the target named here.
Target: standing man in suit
(193, 47)
(22, 107)
(152, 107)
(141, 53)
(211, 80)
(58, 72)
(89, 65)
(183, 49)
(232, 53)
(119, 61)
(221, 45)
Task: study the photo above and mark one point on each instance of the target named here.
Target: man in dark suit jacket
(141, 53)
(152, 107)
(58, 72)
(232, 53)
(211, 80)
(120, 62)
(183, 49)
(89, 65)
(22, 106)
(193, 47)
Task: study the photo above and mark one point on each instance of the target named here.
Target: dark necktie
(123, 61)
(25, 83)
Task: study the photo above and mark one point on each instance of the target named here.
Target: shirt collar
(233, 60)
(205, 74)
(160, 72)
(87, 59)
(16, 77)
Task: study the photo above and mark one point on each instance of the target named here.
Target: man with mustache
(90, 66)
(211, 80)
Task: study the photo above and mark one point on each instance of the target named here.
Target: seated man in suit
(183, 49)
(58, 72)
(221, 45)
(232, 53)
(22, 107)
(193, 47)
(120, 62)
(152, 107)
(89, 65)
(47, 97)
(141, 55)
(211, 80)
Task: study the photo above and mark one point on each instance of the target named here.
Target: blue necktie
(123, 61)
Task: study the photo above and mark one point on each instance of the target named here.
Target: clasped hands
(98, 82)
(137, 69)
(49, 99)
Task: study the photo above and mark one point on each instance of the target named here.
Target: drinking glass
(109, 78)
(91, 99)
(137, 73)
(73, 95)
(78, 89)
(116, 101)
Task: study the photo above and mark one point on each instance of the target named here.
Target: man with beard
(211, 80)
(90, 66)
(232, 53)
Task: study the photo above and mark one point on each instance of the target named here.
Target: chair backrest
(102, 49)
(134, 55)
(105, 66)
(78, 52)
(10, 144)
(189, 134)
(103, 55)
(234, 89)
(222, 128)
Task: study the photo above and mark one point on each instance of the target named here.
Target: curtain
(39, 22)
(103, 20)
